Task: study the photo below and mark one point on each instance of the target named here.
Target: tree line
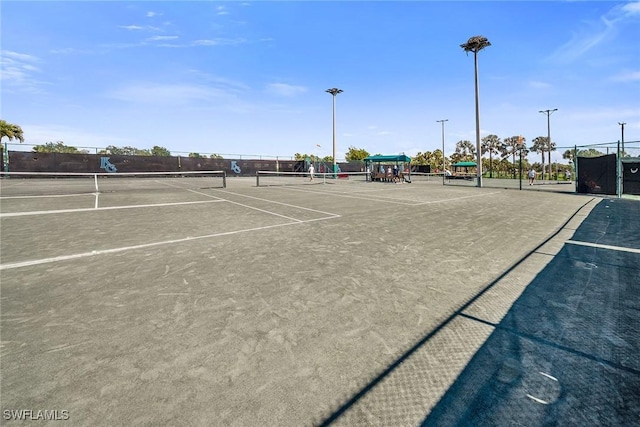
(504, 154)
(11, 131)
(353, 154)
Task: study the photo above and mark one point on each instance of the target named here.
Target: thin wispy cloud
(218, 42)
(631, 76)
(132, 27)
(171, 94)
(227, 84)
(19, 70)
(595, 33)
(222, 10)
(214, 93)
(631, 9)
(539, 85)
(161, 38)
(151, 14)
(153, 41)
(22, 57)
(286, 90)
(66, 51)
(140, 28)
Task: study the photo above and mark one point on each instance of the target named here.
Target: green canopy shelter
(375, 164)
(465, 165)
(389, 159)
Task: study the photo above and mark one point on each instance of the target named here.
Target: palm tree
(465, 151)
(540, 146)
(10, 131)
(569, 154)
(511, 147)
(491, 144)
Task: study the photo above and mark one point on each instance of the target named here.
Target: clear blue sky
(250, 77)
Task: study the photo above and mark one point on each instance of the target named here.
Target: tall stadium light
(548, 113)
(622, 125)
(444, 165)
(520, 145)
(475, 44)
(334, 91)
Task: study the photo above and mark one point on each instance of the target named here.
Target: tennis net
(271, 178)
(423, 176)
(17, 184)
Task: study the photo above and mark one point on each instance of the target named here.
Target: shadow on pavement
(567, 351)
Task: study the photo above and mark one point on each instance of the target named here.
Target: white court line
(371, 199)
(46, 197)
(535, 399)
(191, 190)
(143, 246)
(352, 193)
(457, 198)
(240, 204)
(108, 208)
(599, 246)
(413, 203)
(280, 203)
(382, 189)
(263, 210)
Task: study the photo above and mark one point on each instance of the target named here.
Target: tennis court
(297, 304)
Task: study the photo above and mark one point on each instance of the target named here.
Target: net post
(224, 179)
(257, 178)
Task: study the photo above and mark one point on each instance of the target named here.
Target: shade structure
(465, 164)
(388, 158)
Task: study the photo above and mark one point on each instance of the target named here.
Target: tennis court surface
(359, 303)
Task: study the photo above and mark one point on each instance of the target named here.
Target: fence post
(575, 165)
(5, 157)
(618, 172)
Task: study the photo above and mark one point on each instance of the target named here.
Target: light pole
(520, 144)
(5, 157)
(334, 91)
(444, 164)
(622, 125)
(475, 44)
(548, 113)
